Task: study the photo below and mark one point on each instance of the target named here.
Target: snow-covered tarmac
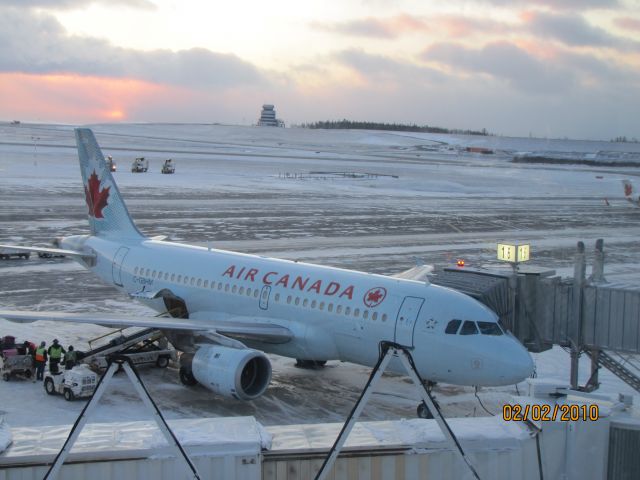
(251, 189)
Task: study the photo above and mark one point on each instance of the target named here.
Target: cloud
(574, 30)
(75, 4)
(592, 70)
(37, 43)
(504, 61)
(628, 23)
(391, 27)
(73, 98)
(394, 27)
(572, 5)
(378, 68)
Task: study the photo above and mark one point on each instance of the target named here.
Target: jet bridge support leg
(114, 364)
(389, 350)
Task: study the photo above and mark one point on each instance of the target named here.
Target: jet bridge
(584, 315)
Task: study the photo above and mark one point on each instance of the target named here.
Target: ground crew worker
(55, 356)
(40, 358)
(70, 358)
(28, 348)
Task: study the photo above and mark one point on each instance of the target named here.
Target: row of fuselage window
(249, 292)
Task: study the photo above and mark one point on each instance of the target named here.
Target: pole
(575, 332)
(388, 350)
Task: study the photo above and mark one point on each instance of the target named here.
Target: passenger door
(116, 265)
(406, 320)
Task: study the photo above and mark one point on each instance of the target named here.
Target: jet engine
(243, 374)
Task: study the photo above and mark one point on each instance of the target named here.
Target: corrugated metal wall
(246, 467)
(496, 464)
(624, 445)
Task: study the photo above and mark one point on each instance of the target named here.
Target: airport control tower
(268, 117)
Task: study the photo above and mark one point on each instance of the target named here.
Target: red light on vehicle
(460, 263)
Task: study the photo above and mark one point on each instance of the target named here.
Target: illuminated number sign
(523, 253)
(513, 253)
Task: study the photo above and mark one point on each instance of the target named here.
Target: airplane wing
(54, 251)
(419, 273)
(236, 327)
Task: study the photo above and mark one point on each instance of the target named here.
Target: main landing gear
(310, 364)
(423, 411)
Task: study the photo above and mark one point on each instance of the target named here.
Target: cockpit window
(469, 328)
(489, 328)
(452, 327)
(503, 327)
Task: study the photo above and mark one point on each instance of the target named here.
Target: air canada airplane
(223, 309)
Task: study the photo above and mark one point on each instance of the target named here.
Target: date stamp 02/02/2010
(550, 413)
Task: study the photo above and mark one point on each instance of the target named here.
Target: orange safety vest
(40, 351)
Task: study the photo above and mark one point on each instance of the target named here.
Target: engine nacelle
(239, 373)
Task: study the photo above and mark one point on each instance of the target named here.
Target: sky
(546, 68)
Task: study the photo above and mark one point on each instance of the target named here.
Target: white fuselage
(333, 313)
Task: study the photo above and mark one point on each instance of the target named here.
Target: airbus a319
(224, 310)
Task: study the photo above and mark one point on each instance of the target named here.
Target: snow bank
(415, 433)
(143, 438)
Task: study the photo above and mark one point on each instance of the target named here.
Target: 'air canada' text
(304, 284)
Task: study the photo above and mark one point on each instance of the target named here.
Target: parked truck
(140, 165)
(7, 253)
(168, 167)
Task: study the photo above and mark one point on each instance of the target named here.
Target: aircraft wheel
(186, 377)
(6, 377)
(423, 411)
(27, 373)
(162, 362)
(49, 387)
(68, 395)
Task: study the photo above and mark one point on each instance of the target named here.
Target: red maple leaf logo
(96, 199)
(374, 296)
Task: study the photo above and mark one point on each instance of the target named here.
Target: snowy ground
(233, 187)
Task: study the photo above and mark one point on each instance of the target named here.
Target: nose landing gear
(423, 410)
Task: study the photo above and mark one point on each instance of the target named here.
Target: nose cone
(518, 363)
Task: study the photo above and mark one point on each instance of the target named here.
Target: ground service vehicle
(140, 165)
(45, 254)
(168, 167)
(7, 253)
(11, 365)
(79, 382)
(111, 164)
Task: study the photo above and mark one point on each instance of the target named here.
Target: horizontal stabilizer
(241, 327)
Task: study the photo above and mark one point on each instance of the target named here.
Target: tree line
(403, 127)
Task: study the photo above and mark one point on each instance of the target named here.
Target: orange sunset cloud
(75, 98)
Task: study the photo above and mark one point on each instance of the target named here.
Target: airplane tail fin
(108, 215)
(628, 189)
